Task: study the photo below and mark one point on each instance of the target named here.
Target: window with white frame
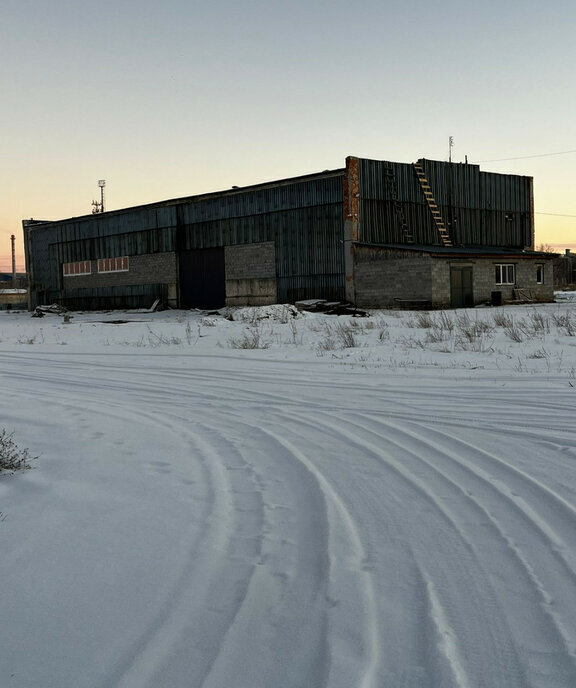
(505, 273)
(539, 273)
(113, 264)
(78, 267)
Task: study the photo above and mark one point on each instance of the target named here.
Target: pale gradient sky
(174, 98)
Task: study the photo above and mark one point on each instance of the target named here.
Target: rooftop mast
(98, 207)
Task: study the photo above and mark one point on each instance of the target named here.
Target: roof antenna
(98, 207)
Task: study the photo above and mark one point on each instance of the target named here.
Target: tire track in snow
(563, 579)
(552, 517)
(281, 626)
(408, 542)
(161, 648)
(139, 659)
(319, 581)
(164, 648)
(449, 643)
(351, 582)
(448, 513)
(447, 636)
(134, 660)
(209, 591)
(538, 542)
(509, 476)
(187, 604)
(534, 518)
(344, 543)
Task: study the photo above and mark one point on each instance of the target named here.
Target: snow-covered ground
(290, 502)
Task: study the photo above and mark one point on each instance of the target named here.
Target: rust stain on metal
(351, 186)
(352, 193)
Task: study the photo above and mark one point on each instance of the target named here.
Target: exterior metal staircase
(429, 196)
(390, 178)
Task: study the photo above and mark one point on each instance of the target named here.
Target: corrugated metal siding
(307, 239)
(295, 288)
(321, 191)
(505, 192)
(380, 223)
(478, 208)
(454, 184)
(137, 296)
(125, 244)
(119, 222)
(306, 223)
(373, 184)
(303, 217)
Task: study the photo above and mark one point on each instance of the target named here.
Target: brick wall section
(440, 270)
(383, 276)
(250, 274)
(152, 268)
(484, 282)
(250, 261)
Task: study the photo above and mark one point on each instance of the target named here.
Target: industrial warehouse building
(373, 233)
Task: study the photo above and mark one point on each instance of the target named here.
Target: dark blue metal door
(202, 278)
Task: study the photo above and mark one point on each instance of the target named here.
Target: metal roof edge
(448, 162)
(326, 174)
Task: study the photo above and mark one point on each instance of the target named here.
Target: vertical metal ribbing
(390, 179)
(431, 201)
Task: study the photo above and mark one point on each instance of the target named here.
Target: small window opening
(505, 273)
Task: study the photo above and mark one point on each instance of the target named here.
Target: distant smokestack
(13, 239)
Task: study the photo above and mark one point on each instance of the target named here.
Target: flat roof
(478, 251)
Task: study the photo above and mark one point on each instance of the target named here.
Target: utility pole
(13, 239)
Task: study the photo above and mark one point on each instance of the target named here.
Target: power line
(555, 214)
(525, 157)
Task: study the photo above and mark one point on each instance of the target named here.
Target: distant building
(7, 279)
(374, 233)
(565, 270)
(13, 299)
